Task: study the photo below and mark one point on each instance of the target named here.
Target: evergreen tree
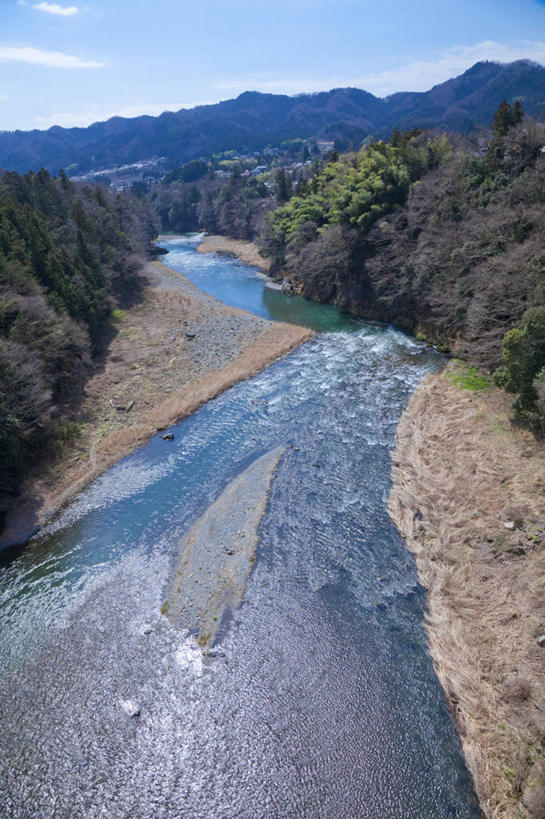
(283, 186)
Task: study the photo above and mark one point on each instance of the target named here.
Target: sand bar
(217, 554)
(247, 252)
(153, 375)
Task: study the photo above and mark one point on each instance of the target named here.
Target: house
(325, 145)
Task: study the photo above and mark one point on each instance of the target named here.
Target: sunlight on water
(320, 699)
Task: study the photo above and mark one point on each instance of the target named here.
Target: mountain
(254, 121)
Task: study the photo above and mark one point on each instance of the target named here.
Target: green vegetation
(352, 192)
(523, 367)
(234, 206)
(187, 173)
(68, 255)
(441, 236)
(467, 378)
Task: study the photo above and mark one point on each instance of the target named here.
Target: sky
(74, 62)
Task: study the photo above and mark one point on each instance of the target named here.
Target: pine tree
(283, 186)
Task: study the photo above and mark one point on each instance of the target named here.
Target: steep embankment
(70, 255)
(152, 376)
(459, 261)
(469, 497)
(443, 242)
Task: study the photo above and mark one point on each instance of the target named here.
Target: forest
(69, 256)
(437, 234)
(442, 238)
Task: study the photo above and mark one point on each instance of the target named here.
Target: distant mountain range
(254, 121)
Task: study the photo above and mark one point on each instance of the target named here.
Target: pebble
(541, 640)
(509, 525)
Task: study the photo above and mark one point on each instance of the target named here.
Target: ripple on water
(321, 698)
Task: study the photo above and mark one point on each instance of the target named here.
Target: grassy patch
(498, 425)
(467, 378)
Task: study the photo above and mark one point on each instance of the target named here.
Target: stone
(213, 652)
(510, 524)
(541, 640)
(287, 286)
(190, 336)
(168, 437)
(146, 628)
(130, 708)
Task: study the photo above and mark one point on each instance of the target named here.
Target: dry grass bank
(153, 368)
(245, 251)
(469, 496)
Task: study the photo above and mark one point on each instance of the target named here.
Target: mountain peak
(255, 120)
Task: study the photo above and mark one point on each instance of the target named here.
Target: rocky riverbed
(172, 352)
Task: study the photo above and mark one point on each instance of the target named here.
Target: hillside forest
(69, 256)
(445, 242)
(439, 235)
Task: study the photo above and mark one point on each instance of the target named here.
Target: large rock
(287, 286)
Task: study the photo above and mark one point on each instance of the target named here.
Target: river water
(321, 700)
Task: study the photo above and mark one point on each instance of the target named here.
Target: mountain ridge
(254, 120)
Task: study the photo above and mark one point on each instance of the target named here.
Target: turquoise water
(322, 700)
(240, 285)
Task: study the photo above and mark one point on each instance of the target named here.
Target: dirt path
(469, 496)
(173, 352)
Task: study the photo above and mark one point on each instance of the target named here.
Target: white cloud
(97, 114)
(416, 75)
(52, 59)
(420, 75)
(54, 8)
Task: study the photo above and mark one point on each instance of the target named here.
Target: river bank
(468, 495)
(247, 252)
(175, 350)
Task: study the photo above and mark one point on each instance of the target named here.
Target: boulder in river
(130, 708)
(287, 286)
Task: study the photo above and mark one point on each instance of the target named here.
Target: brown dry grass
(461, 470)
(246, 251)
(151, 362)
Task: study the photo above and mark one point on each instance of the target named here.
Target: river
(321, 700)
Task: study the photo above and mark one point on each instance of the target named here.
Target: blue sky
(74, 62)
